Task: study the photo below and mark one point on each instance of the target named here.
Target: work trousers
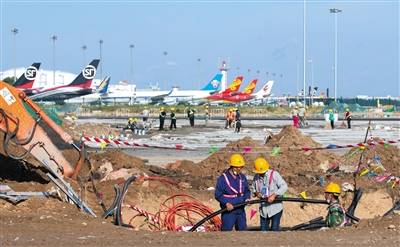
(161, 124)
(173, 124)
(349, 123)
(236, 218)
(191, 120)
(332, 124)
(276, 221)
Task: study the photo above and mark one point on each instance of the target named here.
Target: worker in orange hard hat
(268, 184)
(232, 188)
(336, 213)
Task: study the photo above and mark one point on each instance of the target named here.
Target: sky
(181, 43)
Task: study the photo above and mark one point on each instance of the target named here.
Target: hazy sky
(170, 37)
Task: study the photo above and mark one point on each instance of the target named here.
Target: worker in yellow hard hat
(162, 117)
(332, 118)
(173, 119)
(336, 213)
(206, 115)
(232, 188)
(268, 184)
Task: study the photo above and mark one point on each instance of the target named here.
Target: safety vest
(260, 186)
(233, 190)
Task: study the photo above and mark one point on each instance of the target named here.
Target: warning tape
(104, 142)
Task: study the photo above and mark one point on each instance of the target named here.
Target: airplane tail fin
(85, 78)
(250, 88)
(235, 85)
(26, 80)
(214, 84)
(103, 87)
(265, 90)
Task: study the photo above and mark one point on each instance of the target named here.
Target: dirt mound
(290, 136)
(89, 129)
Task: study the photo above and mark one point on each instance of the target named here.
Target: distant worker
(190, 114)
(295, 117)
(129, 125)
(232, 188)
(347, 116)
(302, 116)
(268, 183)
(146, 114)
(238, 122)
(173, 119)
(207, 115)
(229, 118)
(332, 118)
(336, 214)
(162, 117)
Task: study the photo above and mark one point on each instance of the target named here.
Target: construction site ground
(53, 222)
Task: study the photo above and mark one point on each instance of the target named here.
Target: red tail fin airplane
(233, 88)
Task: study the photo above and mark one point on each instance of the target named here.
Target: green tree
(9, 80)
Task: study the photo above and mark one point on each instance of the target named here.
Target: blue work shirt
(222, 189)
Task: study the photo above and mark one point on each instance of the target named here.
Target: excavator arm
(19, 121)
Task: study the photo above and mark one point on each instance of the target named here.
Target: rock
(391, 227)
(185, 185)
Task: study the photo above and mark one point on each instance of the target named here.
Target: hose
(257, 201)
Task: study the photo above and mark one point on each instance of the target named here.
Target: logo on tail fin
(250, 88)
(89, 72)
(215, 84)
(30, 73)
(236, 84)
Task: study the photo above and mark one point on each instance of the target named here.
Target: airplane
(80, 86)
(97, 94)
(232, 89)
(178, 96)
(264, 92)
(130, 94)
(26, 80)
(242, 95)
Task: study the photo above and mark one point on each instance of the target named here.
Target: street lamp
(54, 38)
(312, 80)
(131, 61)
(199, 65)
(84, 47)
(101, 59)
(335, 12)
(15, 31)
(304, 52)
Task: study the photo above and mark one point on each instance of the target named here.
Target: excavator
(25, 124)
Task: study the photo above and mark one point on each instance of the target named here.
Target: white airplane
(178, 96)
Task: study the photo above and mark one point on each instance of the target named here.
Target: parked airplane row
(81, 90)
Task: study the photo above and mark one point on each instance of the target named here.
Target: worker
(238, 122)
(162, 117)
(129, 124)
(268, 184)
(146, 114)
(332, 118)
(295, 116)
(302, 116)
(207, 115)
(173, 119)
(227, 117)
(190, 114)
(336, 213)
(347, 116)
(232, 188)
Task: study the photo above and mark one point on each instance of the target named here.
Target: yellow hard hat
(206, 106)
(237, 160)
(332, 188)
(231, 109)
(261, 165)
(162, 108)
(330, 110)
(131, 119)
(347, 109)
(172, 109)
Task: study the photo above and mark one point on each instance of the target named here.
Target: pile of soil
(89, 129)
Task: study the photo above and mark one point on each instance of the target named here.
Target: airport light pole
(199, 67)
(131, 46)
(304, 51)
(312, 80)
(54, 38)
(101, 58)
(15, 31)
(335, 12)
(84, 47)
